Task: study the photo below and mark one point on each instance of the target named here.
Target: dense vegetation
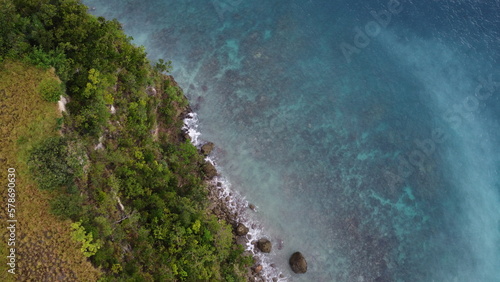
(128, 180)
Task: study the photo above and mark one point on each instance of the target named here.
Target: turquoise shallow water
(366, 132)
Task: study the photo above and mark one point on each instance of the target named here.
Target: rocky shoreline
(220, 206)
(229, 208)
(223, 204)
(232, 209)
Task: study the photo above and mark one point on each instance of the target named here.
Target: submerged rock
(298, 263)
(207, 148)
(264, 245)
(280, 244)
(241, 230)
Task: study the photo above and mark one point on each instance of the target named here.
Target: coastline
(203, 61)
(228, 205)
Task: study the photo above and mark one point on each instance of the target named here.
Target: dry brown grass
(45, 250)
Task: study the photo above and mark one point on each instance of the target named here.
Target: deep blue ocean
(367, 132)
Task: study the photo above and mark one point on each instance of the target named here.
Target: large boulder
(209, 170)
(207, 148)
(264, 245)
(241, 230)
(298, 263)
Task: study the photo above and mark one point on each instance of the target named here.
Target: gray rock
(298, 263)
(264, 245)
(209, 170)
(241, 230)
(151, 91)
(207, 148)
(241, 241)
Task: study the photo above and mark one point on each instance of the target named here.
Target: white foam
(191, 126)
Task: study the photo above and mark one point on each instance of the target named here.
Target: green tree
(163, 66)
(89, 248)
(48, 163)
(67, 205)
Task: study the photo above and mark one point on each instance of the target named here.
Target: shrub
(49, 166)
(53, 58)
(50, 89)
(66, 206)
(55, 164)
